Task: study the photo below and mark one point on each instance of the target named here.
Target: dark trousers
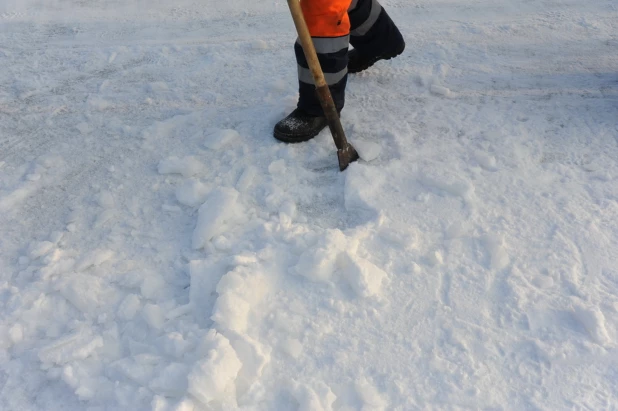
(334, 24)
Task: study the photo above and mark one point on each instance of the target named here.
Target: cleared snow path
(159, 250)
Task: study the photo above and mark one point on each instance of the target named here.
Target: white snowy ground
(160, 250)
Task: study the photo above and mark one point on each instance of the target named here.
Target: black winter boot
(358, 62)
(299, 126)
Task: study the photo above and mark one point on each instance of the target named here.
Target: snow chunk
(129, 307)
(457, 230)
(220, 138)
(277, 167)
(187, 166)
(435, 258)
(77, 346)
(154, 316)
(318, 264)
(593, 321)
(367, 150)
(485, 160)
(318, 398)
(174, 344)
(292, 347)
(245, 180)
(370, 396)
(498, 257)
(204, 277)
(94, 259)
(160, 403)
(217, 215)
(363, 276)
(106, 199)
(192, 193)
(440, 90)
(16, 333)
(172, 380)
(213, 377)
(98, 103)
(40, 249)
(239, 290)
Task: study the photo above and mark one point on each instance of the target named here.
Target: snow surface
(159, 250)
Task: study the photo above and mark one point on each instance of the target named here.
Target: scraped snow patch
(187, 166)
(364, 277)
(212, 378)
(219, 138)
(218, 214)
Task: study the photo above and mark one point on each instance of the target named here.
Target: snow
(159, 250)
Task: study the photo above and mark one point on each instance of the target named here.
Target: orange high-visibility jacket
(327, 18)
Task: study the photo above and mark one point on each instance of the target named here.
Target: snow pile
(161, 251)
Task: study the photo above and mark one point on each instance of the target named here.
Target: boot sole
(385, 57)
(286, 138)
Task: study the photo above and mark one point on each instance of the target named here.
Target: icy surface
(159, 250)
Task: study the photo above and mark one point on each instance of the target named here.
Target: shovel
(345, 152)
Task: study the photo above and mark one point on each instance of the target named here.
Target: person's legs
(373, 35)
(329, 26)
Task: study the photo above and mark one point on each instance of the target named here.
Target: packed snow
(159, 250)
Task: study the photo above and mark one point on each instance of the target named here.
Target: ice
(212, 378)
(220, 138)
(187, 166)
(218, 214)
(364, 277)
